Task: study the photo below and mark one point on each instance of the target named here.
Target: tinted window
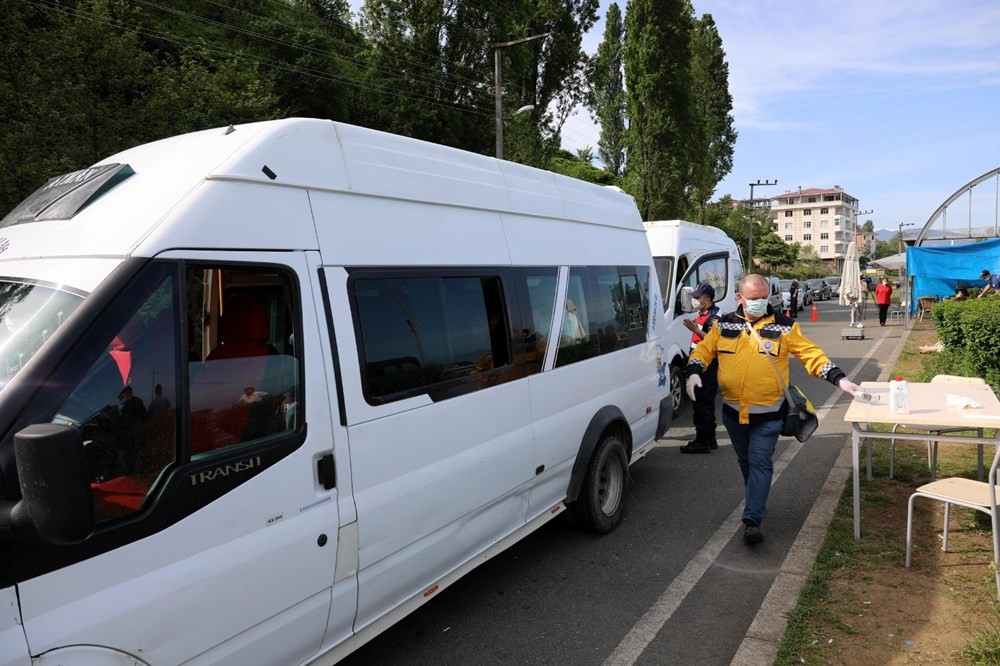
(417, 332)
(242, 362)
(536, 294)
(605, 310)
(124, 402)
(575, 339)
(663, 266)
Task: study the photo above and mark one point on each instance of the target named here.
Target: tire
(677, 388)
(601, 503)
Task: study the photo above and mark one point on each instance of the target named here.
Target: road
(675, 583)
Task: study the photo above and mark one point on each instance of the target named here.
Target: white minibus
(685, 254)
(266, 389)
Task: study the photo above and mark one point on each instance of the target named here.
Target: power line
(52, 5)
(437, 84)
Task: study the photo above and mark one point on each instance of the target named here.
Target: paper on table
(962, 402)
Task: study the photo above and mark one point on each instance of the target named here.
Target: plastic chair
(932, 446)
(975, 495)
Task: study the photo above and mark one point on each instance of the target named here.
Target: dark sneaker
(752, 534)
(696, 446)
(712, 443)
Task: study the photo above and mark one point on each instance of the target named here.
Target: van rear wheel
(601, 503)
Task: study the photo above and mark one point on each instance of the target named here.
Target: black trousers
(795, 306)
(883, 310)
(704, 400)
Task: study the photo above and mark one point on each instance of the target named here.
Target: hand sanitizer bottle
(898, 399)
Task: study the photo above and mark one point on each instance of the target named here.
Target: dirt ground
(887, 614)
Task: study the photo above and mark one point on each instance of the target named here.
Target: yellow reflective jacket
(747, 379)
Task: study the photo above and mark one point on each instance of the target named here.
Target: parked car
(819, 289)
(834, 283)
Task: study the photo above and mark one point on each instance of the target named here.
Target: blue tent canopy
(937, 271)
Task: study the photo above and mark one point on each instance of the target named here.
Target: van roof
(663, 224)
(165, 203)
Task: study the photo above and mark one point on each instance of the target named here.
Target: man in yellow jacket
(754, 405)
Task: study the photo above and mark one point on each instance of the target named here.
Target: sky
(896, 102)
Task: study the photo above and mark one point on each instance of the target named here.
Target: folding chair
(975, 495)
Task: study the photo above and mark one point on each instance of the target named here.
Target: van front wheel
(601, 503)
(677, 388)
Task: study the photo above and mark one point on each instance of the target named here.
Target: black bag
(801, 421)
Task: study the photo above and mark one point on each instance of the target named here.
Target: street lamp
(750, 215)
(901, 225)
(857, 225)
(497, 47)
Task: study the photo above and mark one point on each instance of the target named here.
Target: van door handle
(327, 471)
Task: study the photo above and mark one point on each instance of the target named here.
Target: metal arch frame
(942, 209)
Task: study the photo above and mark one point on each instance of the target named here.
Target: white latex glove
(848, 386)
(694, 381)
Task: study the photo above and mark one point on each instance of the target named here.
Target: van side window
(606, 309)
(635, 308)
(242, 363)
(125, 402)
(536, 294)
(663, 267)
(418, 332)
(609, 314)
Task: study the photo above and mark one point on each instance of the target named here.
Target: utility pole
(750, 216)
(497, 47)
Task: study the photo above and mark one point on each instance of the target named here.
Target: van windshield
(29, 314)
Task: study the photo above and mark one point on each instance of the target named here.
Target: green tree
(657, 59)
(607, 99)
(868, 226)
(568, 164)
(713, 138)
(773, 252)
(585, 154)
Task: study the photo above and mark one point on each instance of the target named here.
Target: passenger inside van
(572, 329)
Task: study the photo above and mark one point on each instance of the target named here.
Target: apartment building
(825, 219)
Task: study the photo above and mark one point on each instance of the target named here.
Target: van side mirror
(684, 299)
(55, 484)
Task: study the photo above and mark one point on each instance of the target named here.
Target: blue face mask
(755, 307)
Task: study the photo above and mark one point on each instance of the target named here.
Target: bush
(970, 331)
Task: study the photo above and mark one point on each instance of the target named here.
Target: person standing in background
(883, 298)
(704, 398)
(793, 297)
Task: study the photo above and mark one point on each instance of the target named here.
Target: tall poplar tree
(657, 61)
(715, 136)
(607, 100)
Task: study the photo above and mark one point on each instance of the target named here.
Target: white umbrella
(892, 262)
(850, 281)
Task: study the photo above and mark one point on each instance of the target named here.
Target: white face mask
(755, 307)
(696, 304)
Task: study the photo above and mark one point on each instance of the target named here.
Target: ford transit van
(266, 389)
(685, 254)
